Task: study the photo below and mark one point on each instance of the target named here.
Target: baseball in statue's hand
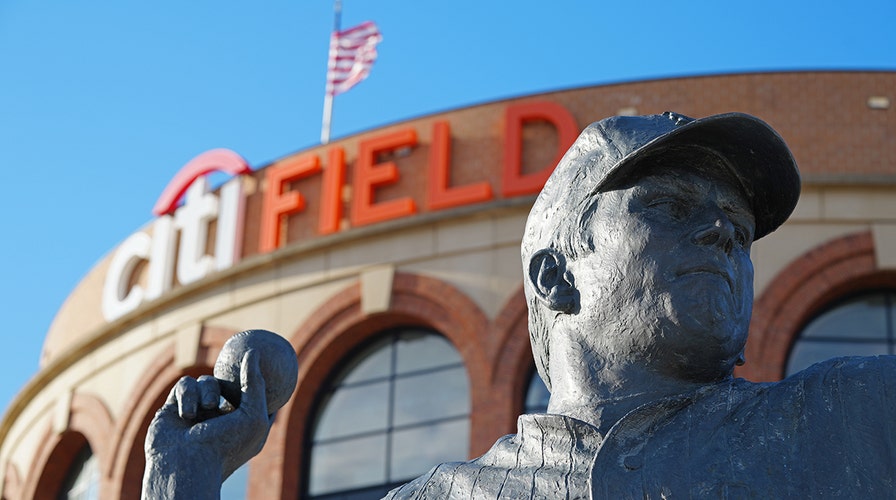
(277, 360)
(195, 441)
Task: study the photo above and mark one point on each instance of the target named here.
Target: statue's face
(670, 283)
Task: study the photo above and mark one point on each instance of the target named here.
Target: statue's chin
(717, 321)
(701, 354)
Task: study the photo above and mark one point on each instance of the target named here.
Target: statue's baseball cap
(610, 152)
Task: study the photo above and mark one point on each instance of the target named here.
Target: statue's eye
(742, 235)
(670, 205)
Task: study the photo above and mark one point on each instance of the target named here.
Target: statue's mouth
(711, 270)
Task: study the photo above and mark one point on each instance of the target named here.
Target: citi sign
(177, 249)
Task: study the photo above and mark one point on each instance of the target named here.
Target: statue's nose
(719, 232)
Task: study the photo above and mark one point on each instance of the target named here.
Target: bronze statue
(638, 278)
(637, 272)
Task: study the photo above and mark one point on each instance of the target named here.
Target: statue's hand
(197, 399)
(191, 429)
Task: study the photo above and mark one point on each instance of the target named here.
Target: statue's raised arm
(210, 426)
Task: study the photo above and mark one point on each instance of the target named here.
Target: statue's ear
(552, 282)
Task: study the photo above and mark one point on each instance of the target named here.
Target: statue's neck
(602, 398)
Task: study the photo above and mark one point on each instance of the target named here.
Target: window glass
(417, 350)
(394, 410)
(432, 444)
(371, 364)
(863, 317)
(431, 396)
(861, 325)
(348, 464)
(83, 479)
(355, 409)
(537, 395)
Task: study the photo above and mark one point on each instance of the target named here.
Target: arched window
(83, 479)
(862, 325)
(395, 409)
(537, 395)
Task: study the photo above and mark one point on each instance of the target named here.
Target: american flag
(352, 53)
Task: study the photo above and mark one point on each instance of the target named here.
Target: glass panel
(860, 318)
(83, 481)
(537, 396)
(415, 451)
(807, 353)
(372, 363)
(349, 464)
(236, 486)
(891, 300)
(354, 410)
(369, 493)
(419, 351)
(421, 376)
(431, 396)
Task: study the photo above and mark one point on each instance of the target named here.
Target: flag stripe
(352, 54)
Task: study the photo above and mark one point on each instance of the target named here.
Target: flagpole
(328, 96)
(328, 113)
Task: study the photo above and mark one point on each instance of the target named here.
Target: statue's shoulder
(864, 380)
(457, 479)
(861, 380)
(515, 465)
(860, 369)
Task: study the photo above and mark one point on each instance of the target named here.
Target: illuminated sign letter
(118, 297)
(369, 175)
(229, 238)
(278, 203)
(514, 182)
(438, 193)
(161, 258)
(192, 219)
(331, 193)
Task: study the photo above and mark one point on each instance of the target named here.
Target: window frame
(889, 334)
(385, 339)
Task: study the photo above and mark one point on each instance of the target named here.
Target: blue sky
(102, 102)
